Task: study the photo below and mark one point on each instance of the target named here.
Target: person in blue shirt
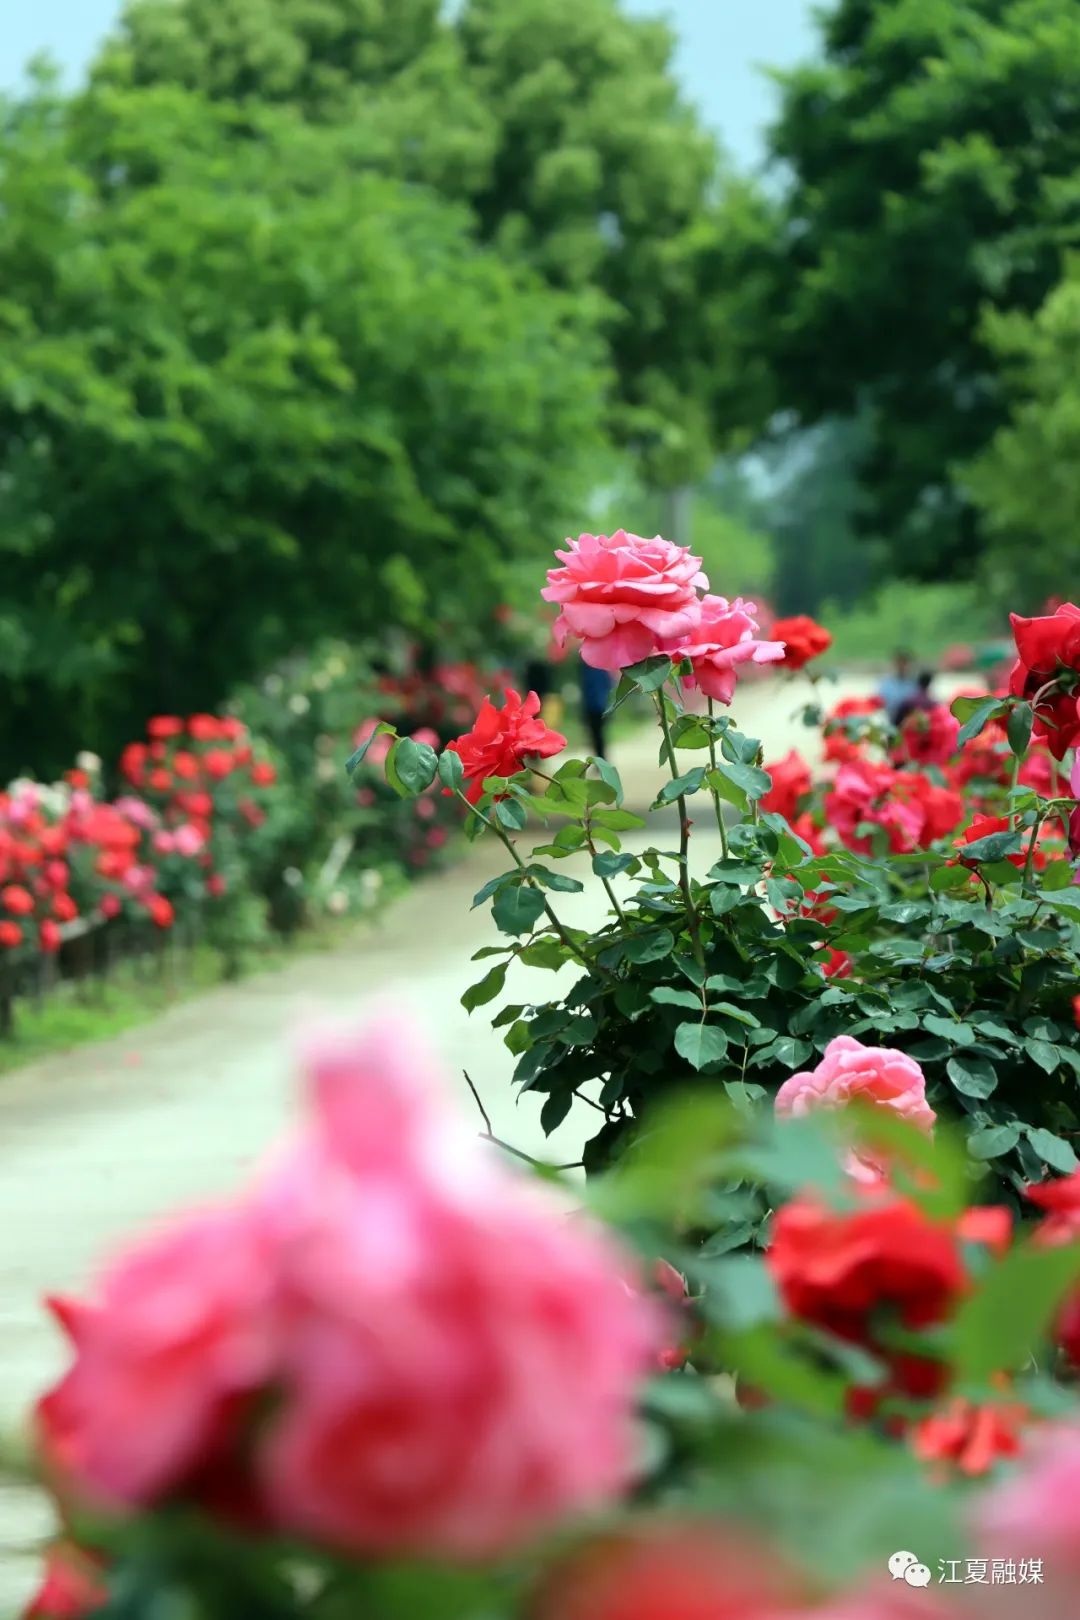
(596, 689)
(899, 689)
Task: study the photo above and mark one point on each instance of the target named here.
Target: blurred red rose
(17, 900)
(263, 774)
(10, 935)
(1048, 649)
(164, 725)
(161, 911)
(50, 937)
(791, 779)
(803, 639)
(71, 1588)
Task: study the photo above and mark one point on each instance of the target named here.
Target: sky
(722, 45)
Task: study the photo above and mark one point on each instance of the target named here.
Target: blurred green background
(322, 317)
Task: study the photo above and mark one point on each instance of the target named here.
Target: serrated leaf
(1018, 728)
(700, 1044)
(649, 675)
(610, 776)
(1053, 1150)
(609, 863)
(486, 989)
(666, 996)
(561, 882)
(1042, 1053)
(973, 1076)
(690, 782)
(451, 770)
(993, 1140)
(649, 947)
(976, 718)
(510, 814)
(516, 909)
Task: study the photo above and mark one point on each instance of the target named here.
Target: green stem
(1025, 886)
(717, 803)
(586, 961)
(684, 839)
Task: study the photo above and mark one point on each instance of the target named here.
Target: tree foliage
(250, 391)
(934, 154)
(561, 123)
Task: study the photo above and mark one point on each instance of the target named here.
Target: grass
(927, 618)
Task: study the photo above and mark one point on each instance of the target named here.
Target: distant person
(898, 688)
(922, 700)
(596, 689)
(538, 679)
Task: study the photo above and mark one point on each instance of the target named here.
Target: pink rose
(137, 811)
(189, 840)
(623, 597)
(872, 1074)
(725, 636)
(866, 794)
(1035, 1513)
(164, 842)
(392, 1345)
(179, 1332)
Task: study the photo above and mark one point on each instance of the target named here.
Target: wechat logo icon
(905, 1566)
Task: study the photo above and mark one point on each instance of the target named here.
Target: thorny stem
(715, 795)
(684, 838)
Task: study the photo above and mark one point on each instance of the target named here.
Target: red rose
(70, 1589)
(164, 725)
(17, 900)
(77, 779)
(1060, 1199)
(968, 1437)
(927, 737)
(263, 775)
(839, 747)
(803, 639)
(215, 885)
(160, 780)
(791, 779)
(161, 912)
(218, 762)
(231, 729)
(10, 935)
(205, 728)
(501, 741)
(669, 1572)
(50, 937)
(185, 765)
(1046, 648)
(845, 1271)
(64, 908)
(133, 762)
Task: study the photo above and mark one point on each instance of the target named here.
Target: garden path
(96, 1143)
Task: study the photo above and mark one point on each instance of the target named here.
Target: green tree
(263, 394)
(934, 155)
(1027, 482)
(562, 124)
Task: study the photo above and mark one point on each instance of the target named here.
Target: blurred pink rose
(624, 597)
(189, 840)
(164, 842)
(139, 879)
(425, 809)
(1035, 1514)
(179, 1331)
(137, 811)
(850, 1071)
(426, 735)
(453, 1352)
(725, 636)
(436, 837)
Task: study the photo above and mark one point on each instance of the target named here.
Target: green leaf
(727, 1009)
(949, 877)
(549, 954)
(516, 909)
(609, 864)
(1053, 1150)
(974, 718)
(1045, 1055)
(730, 871)
(650, 674)
(510, 814)
(748, 781)
(451, 770)
(411, 767)
(560, 882)
(492, 886)
(994, 847)
(949, 1029)
(689, 783)
(383, 729)
(486, 989)
(610, 775)
(1018, 727)
(993, 1140)
(700, 1044)
(665, 996)
(616, 820)
(999, 1328)
(649, 947)
(974, 1076)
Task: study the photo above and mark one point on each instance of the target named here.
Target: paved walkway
(96, 1143)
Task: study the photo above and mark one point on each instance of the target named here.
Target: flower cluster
(625, 599)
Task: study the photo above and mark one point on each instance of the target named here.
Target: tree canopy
(560, 122)
(933, 156)
(251, 391)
